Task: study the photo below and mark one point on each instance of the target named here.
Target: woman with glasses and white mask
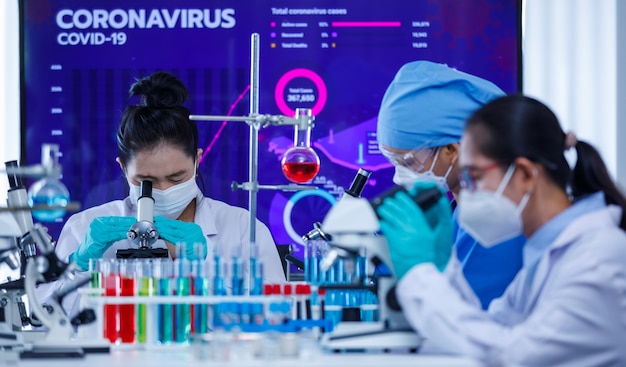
(420, 123)
(158, 142)
(567, 306)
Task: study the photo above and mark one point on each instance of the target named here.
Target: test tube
(256, 271)
(333, 310)
(182, 313)
(146, 288)
(237, 275)
(308, 257)
(97, 328)
(111, 283)
(127, 311)
(95, 274)
(163, 274)
(200, 274)
(369, 307)
(255, 309)
(219, 289)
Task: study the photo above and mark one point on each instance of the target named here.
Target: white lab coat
(226, 228)
(573, 314)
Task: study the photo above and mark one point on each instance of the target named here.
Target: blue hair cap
(427, 104)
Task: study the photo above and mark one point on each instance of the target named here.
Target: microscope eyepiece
(356, 188)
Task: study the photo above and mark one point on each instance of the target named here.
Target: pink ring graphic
(322, 93)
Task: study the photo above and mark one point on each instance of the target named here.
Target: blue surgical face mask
(407, 177)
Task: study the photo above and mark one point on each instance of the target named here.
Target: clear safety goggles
(470, 174)
(414, 159)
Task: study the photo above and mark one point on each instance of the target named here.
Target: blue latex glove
(102, 233)
(416, 237)
(186, 234)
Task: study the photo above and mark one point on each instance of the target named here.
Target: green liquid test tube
(145, 288)
(96, 274)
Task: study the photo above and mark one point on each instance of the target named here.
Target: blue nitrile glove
(178, 232)
(102, 233)
(416, 237)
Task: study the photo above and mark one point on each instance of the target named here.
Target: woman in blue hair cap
(420, 123)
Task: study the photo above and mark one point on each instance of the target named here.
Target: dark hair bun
(160, 89)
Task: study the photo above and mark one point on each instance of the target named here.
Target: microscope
(143, 233)
(353, 226)
(29, 248)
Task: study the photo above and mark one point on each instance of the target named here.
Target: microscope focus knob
(84, 317)
(392, 300)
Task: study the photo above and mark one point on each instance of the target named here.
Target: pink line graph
(365, 24)
(219, 131)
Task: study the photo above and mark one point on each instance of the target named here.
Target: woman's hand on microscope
(415, 236)
(101, 234)
(187, 236)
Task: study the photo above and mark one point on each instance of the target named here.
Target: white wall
(620, 136)
(9, 88)
(571, 62)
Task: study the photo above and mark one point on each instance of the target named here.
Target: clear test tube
(163, 276)
(200, 274)
(145, 288)
(127, 311)
(182, 311)
(111, 284)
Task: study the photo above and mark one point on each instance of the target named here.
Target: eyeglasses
(415, 159)
(469, 174)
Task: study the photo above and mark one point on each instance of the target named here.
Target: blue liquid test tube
(236, 281)
(165, 327)
(311, 262)
(219, 289)
(256, 271)
(360, 269)
(201, 286)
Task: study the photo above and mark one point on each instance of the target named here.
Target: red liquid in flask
(300, 172)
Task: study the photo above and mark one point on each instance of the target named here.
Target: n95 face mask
(490, 217)
(171, 202)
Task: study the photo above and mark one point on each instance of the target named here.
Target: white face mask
(490, 217)
(171, 202)
(407, 177)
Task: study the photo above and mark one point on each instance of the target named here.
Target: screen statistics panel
(336, 57)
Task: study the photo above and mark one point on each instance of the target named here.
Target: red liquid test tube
(127, 311)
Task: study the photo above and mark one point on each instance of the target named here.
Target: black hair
(519, 126)
(159, 118)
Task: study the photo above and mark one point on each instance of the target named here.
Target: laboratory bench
(165, 358)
